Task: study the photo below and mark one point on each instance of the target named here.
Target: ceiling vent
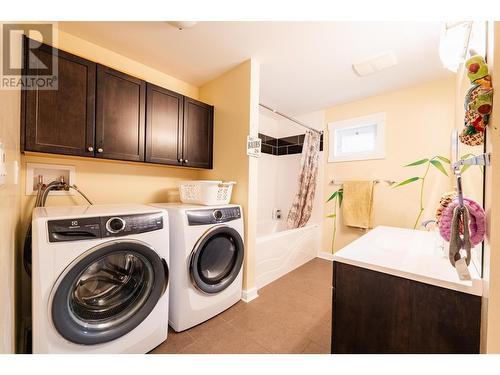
(375, 64)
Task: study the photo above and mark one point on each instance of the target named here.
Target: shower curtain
(302, 205)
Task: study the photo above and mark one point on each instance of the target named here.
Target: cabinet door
(121, 115)
(61, 121)
(371, 312)
(444, 321)
(164, 113)
(198, 134)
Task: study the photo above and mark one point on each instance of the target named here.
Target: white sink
(407, 253)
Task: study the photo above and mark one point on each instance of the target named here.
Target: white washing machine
(206, 259)
(100, 279)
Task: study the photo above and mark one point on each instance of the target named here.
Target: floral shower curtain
(302, 205)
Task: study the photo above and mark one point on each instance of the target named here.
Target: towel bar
(388, 182)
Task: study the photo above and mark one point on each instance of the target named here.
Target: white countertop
(410, 254)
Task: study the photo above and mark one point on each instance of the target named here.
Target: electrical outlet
(3, 168)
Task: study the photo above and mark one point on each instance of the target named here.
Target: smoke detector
(375, 64)
(181, 25)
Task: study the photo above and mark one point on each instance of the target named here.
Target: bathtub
(280, 250)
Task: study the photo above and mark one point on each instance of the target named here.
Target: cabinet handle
(186, 161)
(99, 150)
(181, 160)
(90, 148)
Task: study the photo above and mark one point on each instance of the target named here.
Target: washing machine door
(216, 259)
(108, 291)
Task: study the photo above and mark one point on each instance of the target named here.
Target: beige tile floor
(291, 315)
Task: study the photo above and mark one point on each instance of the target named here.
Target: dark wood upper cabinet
(100, 112)
(120, 115)
(61, 121)
(198, 134)
(164, 114)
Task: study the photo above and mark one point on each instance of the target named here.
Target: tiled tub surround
(284, 146)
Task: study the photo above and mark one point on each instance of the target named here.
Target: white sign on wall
(253, 146)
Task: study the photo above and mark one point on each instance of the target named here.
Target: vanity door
(371, 312)
(443, 320)
(378, 313)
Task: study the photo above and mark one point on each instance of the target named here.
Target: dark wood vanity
(375, 312)
(99, 112)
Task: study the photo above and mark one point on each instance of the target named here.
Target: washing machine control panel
(213, 215)
(131, 224)
(102, 227)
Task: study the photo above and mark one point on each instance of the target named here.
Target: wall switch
(3, 167)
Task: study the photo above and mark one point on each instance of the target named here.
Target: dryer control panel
(102, 227)
(213, 215)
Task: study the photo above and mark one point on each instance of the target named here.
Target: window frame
(377, 119)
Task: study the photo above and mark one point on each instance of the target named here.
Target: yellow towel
(357, 205)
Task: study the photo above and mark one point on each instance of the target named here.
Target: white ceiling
(305, 66)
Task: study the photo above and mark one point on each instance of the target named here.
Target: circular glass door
(217, 259)
(108, 291)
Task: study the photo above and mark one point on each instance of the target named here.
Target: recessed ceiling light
(375, 64)
(181, 25)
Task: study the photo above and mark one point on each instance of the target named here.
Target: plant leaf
(443, 159)
(332, 196)
(466, 156)
(465, 167)
(341, 197)
(408, 181)
(418, 162)
(439, 166)
(332, 216)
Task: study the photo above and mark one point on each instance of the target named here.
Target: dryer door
(108, 291)
(216, 259)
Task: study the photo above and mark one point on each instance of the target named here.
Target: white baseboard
(249, 295)
(325, 255)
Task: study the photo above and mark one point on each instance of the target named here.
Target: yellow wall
(419, 120)
(98, 54)
(112, 181)
(491, 295)
(235, 97)
(9, 217)
(10, 106)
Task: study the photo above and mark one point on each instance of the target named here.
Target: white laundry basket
(208, 193)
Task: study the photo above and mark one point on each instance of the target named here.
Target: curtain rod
(290, 118)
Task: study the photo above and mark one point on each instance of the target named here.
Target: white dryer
(206, 258)
(100, 279)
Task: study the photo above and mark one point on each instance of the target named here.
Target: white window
(360, 138)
